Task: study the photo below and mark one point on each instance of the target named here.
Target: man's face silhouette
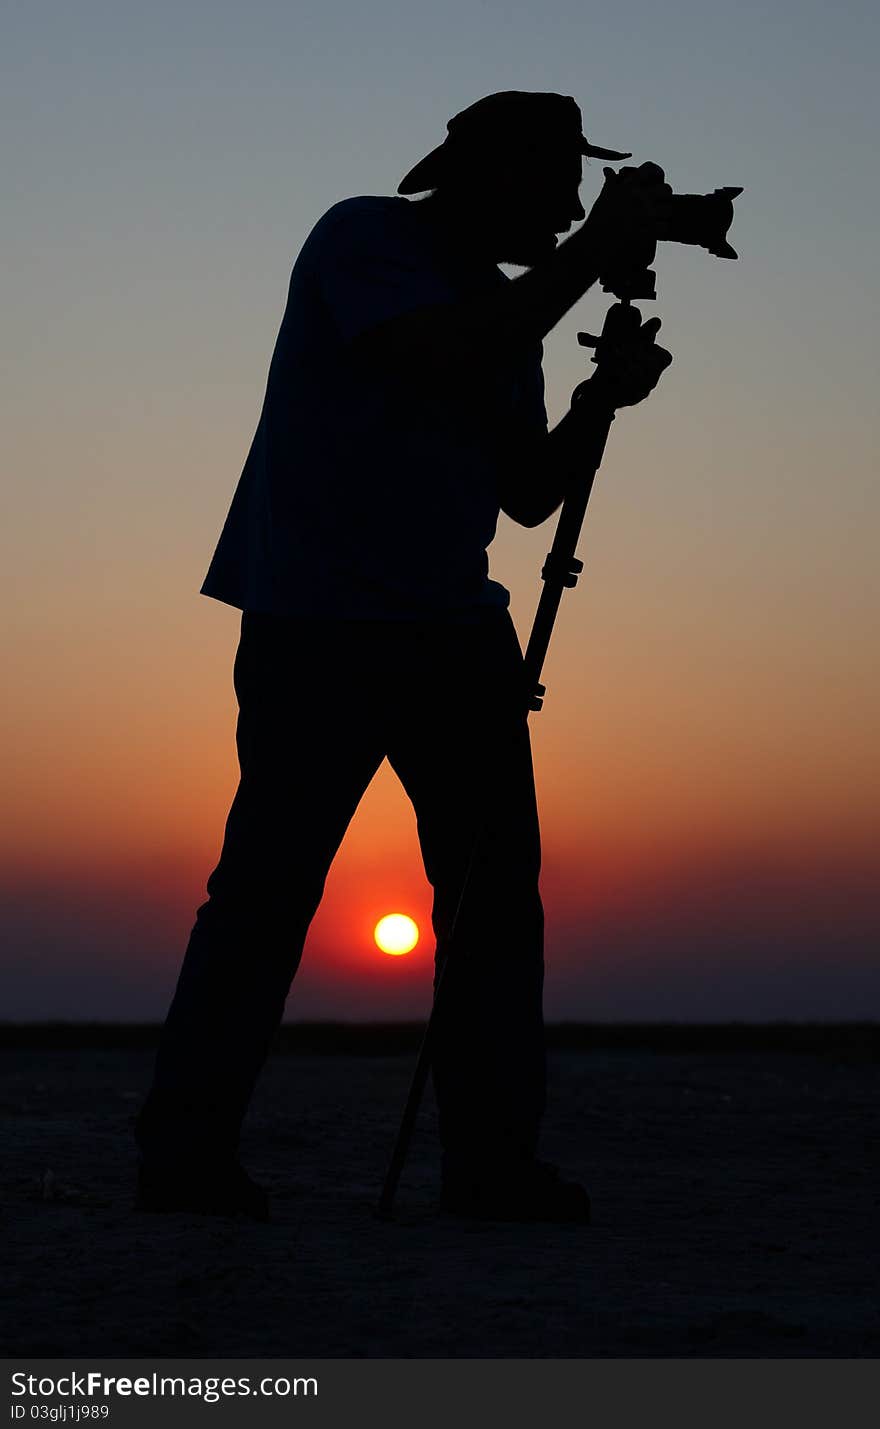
(511, 206)
(530, 199)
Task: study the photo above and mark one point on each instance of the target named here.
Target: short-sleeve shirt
(367, 494)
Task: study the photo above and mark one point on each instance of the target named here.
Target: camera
(699, 219)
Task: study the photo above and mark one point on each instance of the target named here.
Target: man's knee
(268, 888)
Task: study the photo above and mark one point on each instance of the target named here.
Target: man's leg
(308, 746)
(463, 756)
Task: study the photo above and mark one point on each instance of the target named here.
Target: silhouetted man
(404, 408)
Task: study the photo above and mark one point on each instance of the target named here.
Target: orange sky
(709, 843)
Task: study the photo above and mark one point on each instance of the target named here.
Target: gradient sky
(707, 756)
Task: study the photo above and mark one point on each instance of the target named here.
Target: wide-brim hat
(510, 117)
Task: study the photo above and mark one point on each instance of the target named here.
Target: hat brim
(429, 172)
(596, 153)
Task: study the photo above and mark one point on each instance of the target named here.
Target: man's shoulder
(364, 214)
(368, 204)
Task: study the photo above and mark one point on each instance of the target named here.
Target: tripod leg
(385, 1208)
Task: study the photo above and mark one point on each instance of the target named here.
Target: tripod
(560, 572)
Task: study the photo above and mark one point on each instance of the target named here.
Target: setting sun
(396, 934)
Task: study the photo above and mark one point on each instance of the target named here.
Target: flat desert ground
(735, 1191)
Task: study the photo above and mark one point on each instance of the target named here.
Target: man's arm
(455, 340)
(535, 478)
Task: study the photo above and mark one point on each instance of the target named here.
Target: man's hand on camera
(628, 217)
(627, 371)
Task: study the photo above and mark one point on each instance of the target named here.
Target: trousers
(320, 704)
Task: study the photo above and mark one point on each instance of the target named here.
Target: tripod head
(622, 323)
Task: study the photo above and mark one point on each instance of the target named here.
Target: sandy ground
(735, 1195)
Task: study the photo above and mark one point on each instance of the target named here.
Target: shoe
(528, 1190)
(210, 1189)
